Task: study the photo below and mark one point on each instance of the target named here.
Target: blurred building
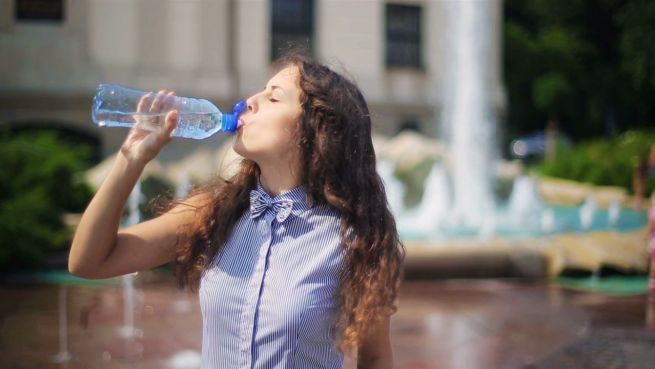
(54, 53)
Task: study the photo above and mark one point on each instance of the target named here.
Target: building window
(40, 10)
(403, 30)
(292, 26)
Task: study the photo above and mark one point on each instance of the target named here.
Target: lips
(240, 123)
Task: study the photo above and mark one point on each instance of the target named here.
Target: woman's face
(266, 134)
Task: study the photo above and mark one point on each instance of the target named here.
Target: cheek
(281, 135)
(285, 137)
(268, 135)
(262, 139)
(276, 129)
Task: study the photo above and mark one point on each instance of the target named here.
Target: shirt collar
(296, 194)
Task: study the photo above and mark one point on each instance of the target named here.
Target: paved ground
(457, 324)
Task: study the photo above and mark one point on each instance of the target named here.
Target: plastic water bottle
(116, 106)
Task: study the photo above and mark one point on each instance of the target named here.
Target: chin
(239, 148)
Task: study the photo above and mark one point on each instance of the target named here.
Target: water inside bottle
(192, 125)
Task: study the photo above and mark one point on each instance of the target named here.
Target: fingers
(155, 107)
(170, 123)
(166, 102)
(144, 102)
(156, 103)
(154, 124)
(155, 141)
(163, 102)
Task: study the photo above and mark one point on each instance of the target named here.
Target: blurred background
(515, 138)
(579, 72)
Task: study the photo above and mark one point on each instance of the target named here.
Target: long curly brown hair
(338, 169)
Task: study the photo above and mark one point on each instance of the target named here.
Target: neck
(278, 179)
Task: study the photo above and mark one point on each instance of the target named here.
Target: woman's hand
(143, 143)
(99, 249)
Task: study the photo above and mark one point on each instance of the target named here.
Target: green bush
(602, 162)
(39, 182)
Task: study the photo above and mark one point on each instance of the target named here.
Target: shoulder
(323, 215)
(325, 211)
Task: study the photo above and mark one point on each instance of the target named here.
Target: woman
(296, 257)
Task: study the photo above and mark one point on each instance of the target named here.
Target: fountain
(467, 113)
(132, 349)
(429, 217)
(433, 212)
(459, 204)
(184, 185)
(547, 221)
(587, 212)
(525, 204)
(393, 187)
(63, 356)
(614, 214)
(458, 198)
(128, 330)
(525, 214)
(186, 359)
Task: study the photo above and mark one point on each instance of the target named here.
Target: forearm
(95, 235)
(375, 350)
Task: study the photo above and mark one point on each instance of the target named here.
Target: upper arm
(375, 349)
(149, 244)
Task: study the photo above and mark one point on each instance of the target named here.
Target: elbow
(82, 264)
(79, 272)
(82, 273)
(75, 269)
(75, 272)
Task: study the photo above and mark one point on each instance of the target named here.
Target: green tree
(550, 93)
(637, 50)
(589, 161)
(38, 183)
(590, 63)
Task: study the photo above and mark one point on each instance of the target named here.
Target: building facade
(54, 53)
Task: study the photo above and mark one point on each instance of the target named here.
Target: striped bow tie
(260, 201)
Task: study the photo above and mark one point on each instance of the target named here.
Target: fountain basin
(539, 257)
(566, 219)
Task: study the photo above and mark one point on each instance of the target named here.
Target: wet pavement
(440, 324)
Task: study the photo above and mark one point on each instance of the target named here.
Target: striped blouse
(268, 299)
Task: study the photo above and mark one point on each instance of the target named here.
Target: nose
(251, 102)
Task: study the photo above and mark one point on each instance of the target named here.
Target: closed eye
(272, 100)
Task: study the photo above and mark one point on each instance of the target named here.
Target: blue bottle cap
(231, 121)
